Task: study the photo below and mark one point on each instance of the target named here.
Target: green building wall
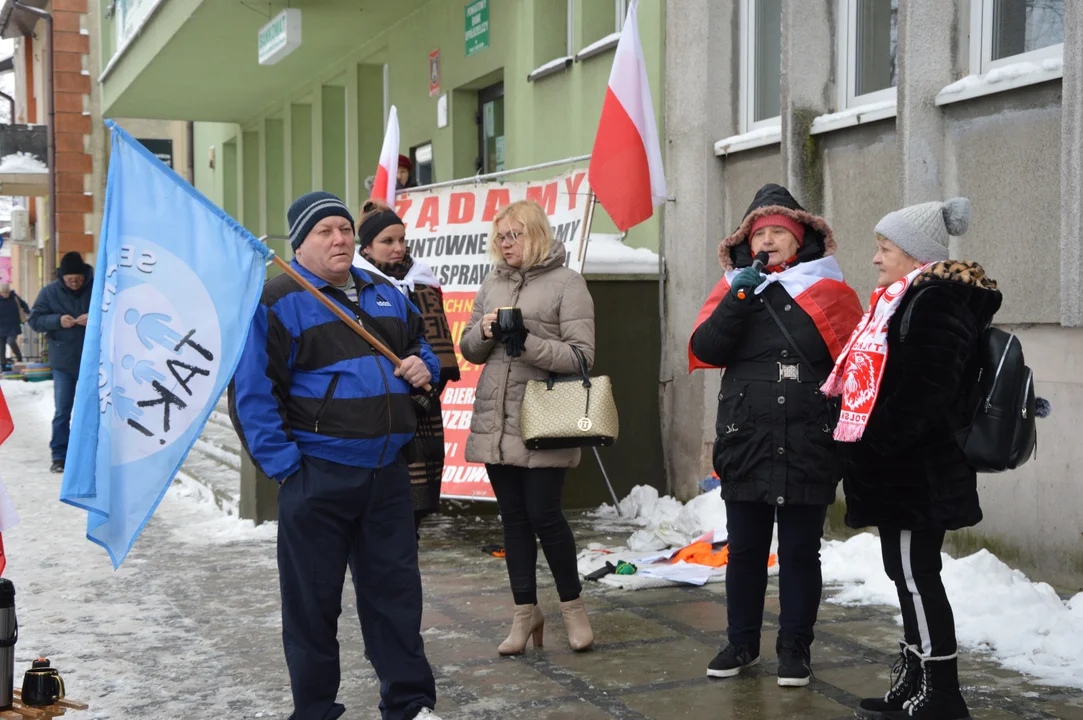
(327, 134)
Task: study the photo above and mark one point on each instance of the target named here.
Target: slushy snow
(1023, 625)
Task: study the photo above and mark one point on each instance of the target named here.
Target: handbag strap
(789, 338)
(584, 374)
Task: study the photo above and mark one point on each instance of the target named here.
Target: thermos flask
(9, 634)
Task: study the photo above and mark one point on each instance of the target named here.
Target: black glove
(512, 333)
(747, 280)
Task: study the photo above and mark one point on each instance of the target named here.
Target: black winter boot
(905, 680)
(938, 696)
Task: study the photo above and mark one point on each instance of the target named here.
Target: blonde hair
(538, 242)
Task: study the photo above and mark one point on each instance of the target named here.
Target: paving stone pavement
(652, 649)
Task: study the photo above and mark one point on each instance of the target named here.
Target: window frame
(847, 54)
(981, 43)
(560, 63)
(747, 71)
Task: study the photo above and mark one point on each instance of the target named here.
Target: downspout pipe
(50, 264)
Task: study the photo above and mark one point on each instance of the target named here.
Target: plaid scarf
(430, 301)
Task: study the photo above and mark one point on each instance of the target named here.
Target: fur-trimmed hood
(771, 199)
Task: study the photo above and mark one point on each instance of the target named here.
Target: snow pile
(608, 255)
(21, 162)
(1006, 75)
(664, 522)
(1023, 624)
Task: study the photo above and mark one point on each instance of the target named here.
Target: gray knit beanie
(921, 231)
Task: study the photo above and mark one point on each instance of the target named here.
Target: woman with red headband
(775, 322)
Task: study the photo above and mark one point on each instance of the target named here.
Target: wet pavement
(652, 649)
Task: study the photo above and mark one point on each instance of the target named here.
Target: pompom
(956, 215)
(1042, 407)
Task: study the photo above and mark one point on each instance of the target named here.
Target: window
(130, 15)
(423, 164)
(553, 28)
(601, 29)
(761, 70)
(868, 50)
(1004, 32)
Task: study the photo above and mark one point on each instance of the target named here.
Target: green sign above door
(477, 26)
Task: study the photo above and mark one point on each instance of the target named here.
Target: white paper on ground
(681, 572)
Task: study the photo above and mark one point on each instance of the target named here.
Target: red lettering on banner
(544, 195)
(430, 213)
(462, 208)
(572, 184)
(494, 200)
(402, 205)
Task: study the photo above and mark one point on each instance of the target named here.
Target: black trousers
(750, 527)
(530, 507)
(331, 515)
(912, 561)
(13, 343)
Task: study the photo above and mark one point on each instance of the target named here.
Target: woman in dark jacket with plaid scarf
(383, 250)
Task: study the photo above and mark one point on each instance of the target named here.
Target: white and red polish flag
(383, 188)
(626, 163)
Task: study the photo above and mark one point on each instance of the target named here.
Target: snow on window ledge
(859, 115)
(1000, 79)
(761, 137)
(550, 68)
(597, 48)
(607, 255)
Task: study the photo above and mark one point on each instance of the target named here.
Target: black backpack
(1002, 433)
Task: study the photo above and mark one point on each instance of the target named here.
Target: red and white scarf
(860, 368)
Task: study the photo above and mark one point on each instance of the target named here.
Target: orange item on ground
(700, 553)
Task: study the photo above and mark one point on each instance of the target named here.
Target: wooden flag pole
(341, 314)
(588, 221)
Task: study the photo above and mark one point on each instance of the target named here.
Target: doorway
(491, 129)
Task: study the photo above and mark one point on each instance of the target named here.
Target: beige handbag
(569, 411)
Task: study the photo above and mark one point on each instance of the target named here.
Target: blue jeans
(63, 398)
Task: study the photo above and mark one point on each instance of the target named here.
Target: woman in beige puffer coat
(558, 313)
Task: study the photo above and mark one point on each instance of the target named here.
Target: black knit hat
(72, 264)
(308, 210)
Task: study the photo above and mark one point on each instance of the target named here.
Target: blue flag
(176, 284)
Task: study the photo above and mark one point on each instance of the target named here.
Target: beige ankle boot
(527, 621)
(580, 636)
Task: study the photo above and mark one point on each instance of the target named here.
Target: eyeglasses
(509, 237)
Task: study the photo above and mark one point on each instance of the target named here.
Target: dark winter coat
(10, 322)
(774, 441)
(54, 301)
(907, 471)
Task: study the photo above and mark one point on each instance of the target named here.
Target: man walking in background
(61, 311)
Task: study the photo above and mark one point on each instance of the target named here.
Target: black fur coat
(907, 471)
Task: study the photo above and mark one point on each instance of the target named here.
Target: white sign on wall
(280, 37)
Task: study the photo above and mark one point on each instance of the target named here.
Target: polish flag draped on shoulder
(626, 162)
(816, 286)
(383, 188)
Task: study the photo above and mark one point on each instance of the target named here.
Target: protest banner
(448, 229)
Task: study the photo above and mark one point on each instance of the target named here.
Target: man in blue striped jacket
(325, 415)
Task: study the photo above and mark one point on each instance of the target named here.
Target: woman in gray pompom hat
(902, 379)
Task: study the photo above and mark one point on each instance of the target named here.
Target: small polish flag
(626, 163)
(383, 189)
